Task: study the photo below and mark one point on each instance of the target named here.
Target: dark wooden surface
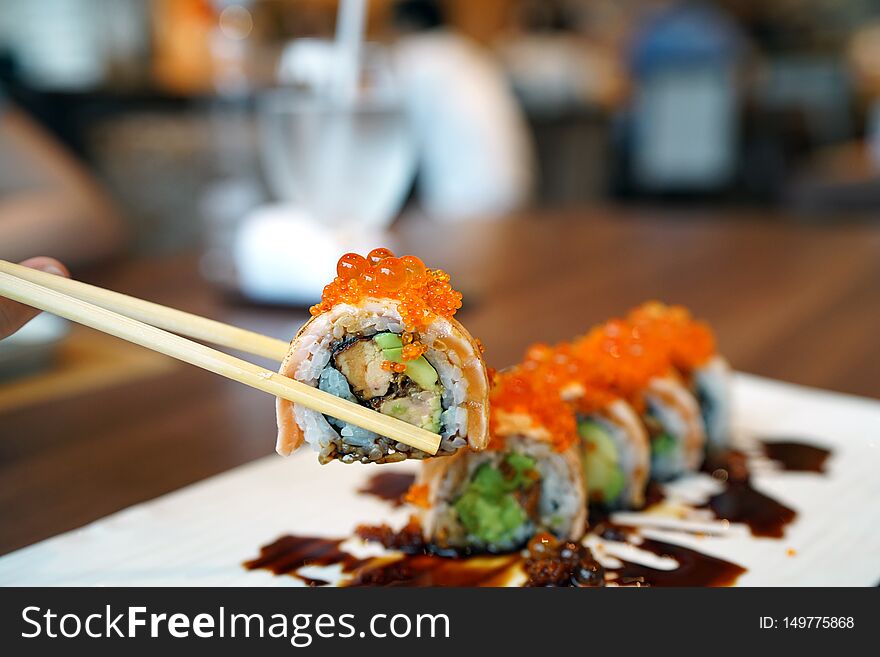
(793, 301)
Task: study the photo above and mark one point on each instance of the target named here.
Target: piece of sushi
(614, 447)
(528, 480)
(384, 337)
(691, 349)
(621, 358)
(675, 428)
(617, 456)
(711, 384)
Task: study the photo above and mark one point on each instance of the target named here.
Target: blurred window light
(71, 44)
(685, 61)
(236, 22)
(686, 129)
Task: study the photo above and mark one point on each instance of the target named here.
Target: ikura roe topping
(520, 393)
(622, 359)
(418, 495)
(558, 367)
(422, 293)
(687, 342)
(618, 359)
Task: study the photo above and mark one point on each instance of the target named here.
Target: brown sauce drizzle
(544, 563)
(654, 494)
(547, 562)
(389, 486)
(795, 456)
(551, 562)
(410, 539)
(694, 568)
(435, 570)
(740, 502)
(288, 554)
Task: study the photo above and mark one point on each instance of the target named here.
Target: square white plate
(201, 534)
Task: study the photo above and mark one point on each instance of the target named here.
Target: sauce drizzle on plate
(413, 563)
(389, 486)
(795, 456)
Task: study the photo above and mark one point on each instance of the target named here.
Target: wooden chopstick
(82, 312)
(176, 321)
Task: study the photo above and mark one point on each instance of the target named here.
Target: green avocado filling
(489, 507)
(605, 479)
(422, 409)
(662, 444)
(419, 369)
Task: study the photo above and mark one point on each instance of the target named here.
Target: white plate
(201, 535)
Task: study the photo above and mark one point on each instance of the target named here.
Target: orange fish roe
(417, 495)
(413, 350)
(688, 343)
(518, 392)
(560, 369)
(621, 359)
(391, 366)
(422, 294)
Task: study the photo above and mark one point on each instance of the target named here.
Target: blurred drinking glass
(346, 160)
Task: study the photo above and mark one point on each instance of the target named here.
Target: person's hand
(14, 315)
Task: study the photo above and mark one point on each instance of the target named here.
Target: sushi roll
(691, 351)
(710, 383)
(617, 456)
(614, 447)
(384, 336)
(528, 480)
(622, 359)
(675, 428)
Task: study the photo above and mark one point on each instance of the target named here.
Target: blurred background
(563, 159)
(736, 102)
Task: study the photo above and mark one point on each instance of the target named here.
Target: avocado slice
(605, 479)
(423, 410)
(388, 341)
(491, 521)
(488, 508)
(419, 370)
(597, 435)
(663, 444)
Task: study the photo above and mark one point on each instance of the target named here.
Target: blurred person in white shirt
(476, 156)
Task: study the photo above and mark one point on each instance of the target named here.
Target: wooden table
(789, 300)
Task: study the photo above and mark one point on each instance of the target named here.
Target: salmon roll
(711, 384)
(616, 456)
(614, 448)
(528, 480)
(636, 368)
(384, 336)
(691, 348)
(675, 428)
